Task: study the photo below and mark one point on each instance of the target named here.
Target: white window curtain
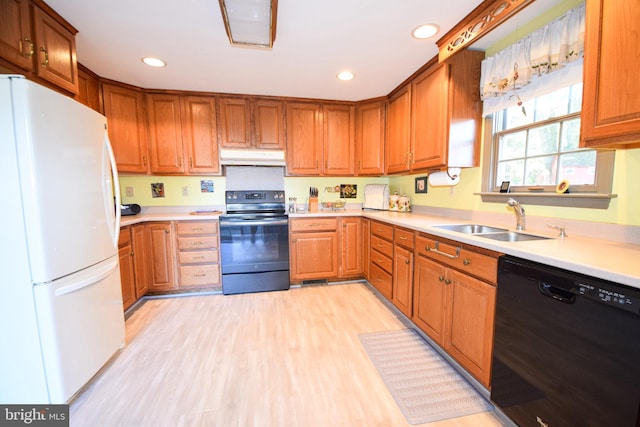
(546, 60)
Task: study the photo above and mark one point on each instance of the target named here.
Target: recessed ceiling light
(425, 31)
(346, 75)
(154, 62)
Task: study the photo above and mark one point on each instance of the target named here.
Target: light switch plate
(129, 191)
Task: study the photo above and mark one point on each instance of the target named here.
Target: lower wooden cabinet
(198, 254)
(161, 248)
(402, 294)
(350, 229)
(381, 258)
(141, 258)
(127, 275)
(313, 248)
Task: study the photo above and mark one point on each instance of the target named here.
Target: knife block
(313, 204)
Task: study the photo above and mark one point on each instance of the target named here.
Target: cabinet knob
(441, 278)
(466, 261)
(406, 261)
(447, 281)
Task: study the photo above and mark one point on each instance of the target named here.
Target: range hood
(252, 157)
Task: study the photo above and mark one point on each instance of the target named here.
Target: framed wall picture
(504, 188)
(421, 184)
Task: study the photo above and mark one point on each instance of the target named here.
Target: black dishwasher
(566, 348)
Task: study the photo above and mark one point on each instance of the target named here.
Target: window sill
(573, 200)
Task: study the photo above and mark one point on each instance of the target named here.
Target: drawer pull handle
(437, 250)
(196, 228)
(198, 257)
(200, 275)
(380, 246)
(402, 238)
(198, 243)
(466, 261)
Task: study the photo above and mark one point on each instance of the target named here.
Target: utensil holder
(313, 204)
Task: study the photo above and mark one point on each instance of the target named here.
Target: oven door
(251, 244)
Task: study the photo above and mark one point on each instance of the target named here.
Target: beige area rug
(425, 387)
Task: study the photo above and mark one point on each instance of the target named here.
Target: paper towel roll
(444, 179)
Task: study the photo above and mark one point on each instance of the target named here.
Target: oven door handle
(254, 222)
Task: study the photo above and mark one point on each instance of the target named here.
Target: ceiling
(315, 40)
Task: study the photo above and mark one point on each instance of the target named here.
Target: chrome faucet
(519, 210)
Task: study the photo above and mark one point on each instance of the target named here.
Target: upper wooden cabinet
(89, 89)
(123, 107)
(251, 124)
(41, 42)
(370, 125)
(435, 120)
(320, 139)
(182, 134)
(611, 92)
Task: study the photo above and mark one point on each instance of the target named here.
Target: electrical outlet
(129, 191)
(185, 190)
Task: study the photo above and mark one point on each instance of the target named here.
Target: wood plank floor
(288, 358)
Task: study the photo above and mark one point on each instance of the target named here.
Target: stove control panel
(254, 196)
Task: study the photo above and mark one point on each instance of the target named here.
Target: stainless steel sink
(512, 236)
(471, 228)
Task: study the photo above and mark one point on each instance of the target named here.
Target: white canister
(404, 203)
(393, 202)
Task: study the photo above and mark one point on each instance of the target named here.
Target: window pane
(554, 104)
(510, 171)
(543, 140)
(512, 145)
(575, 103)
(514, 117)
(570, 135)
(578, 167)
(541, 171)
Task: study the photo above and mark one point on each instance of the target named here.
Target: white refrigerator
(61, 316)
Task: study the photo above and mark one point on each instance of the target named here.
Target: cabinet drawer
(456, 255)
(382, 246)
(403, 237)
(186, 228)
(204, 242)
(382, 260)
(381, 280)
(313, 224)
(198, 275)
(382, 230)
(125, 237)
(198, 257)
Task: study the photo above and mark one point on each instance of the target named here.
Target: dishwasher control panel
(615, 295)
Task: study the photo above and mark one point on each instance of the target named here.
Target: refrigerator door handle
(116, 188)
(108, 270)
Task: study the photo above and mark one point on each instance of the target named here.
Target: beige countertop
(606, 259)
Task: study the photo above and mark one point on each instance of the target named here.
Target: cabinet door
(125, 118)
(314, 256)
(16, 39)
(338, 135)
(402, 296)
(429, 118)
(127, 277)
(430, 298)
(141, 258)
(366, 246)
(200, 134)
(235, 123)
(162, 257)
(56, 52)
(398, 145)
(304, 139)
(472, 311)
(611, 92)
(268, 124)
(351, 247)
(370, 119)
(165, 133)
(89, 90)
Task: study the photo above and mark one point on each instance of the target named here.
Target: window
(541, 148)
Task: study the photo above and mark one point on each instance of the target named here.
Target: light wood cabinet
(320, 139)
(198, 254)
(313, 248)
(434, 121)
(402, 295)
(141, 258)
(247, 123)
(350, 247)
(366, 246)
(451, 306)
(127, 273)
(611, 92)
(161, 248)
(398, 143)
(369, 138)
(89, 89)
(182, 134)
(33, 37)
(123, 107)
(381, 258)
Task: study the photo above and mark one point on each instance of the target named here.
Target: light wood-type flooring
(290, 358)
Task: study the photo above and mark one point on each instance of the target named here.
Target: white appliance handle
(116, 187)
(108, 270)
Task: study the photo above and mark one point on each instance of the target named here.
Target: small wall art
(421, 185)
(206, 186)
(157, 189)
